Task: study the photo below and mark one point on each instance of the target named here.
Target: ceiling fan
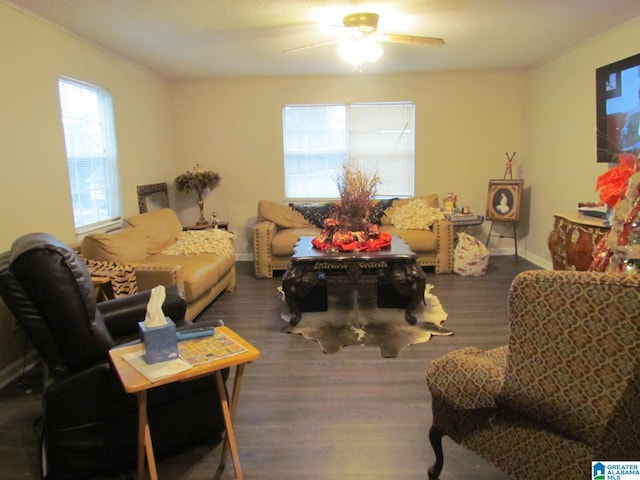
(362, 40)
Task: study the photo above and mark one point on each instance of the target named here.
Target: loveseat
(201, 263)
(564, 391)
(279, 226)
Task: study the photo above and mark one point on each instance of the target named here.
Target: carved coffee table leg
(297, 282)
(290, 281)
(417, 281)
(409, 281)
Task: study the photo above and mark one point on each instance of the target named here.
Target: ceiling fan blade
(412, 40)
(313, 45)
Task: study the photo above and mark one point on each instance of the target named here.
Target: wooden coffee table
(395, 267)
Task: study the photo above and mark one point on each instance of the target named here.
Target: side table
(135, 382)
(220, 225)
(102, 288)
(573, 239)
(461, 221)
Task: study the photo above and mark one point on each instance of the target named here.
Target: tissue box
(160, 343)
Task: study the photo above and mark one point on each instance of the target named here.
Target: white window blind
(319, 138)
(89, 134)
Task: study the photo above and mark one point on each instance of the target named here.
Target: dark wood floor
(305, 414)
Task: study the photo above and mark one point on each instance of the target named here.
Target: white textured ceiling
(198, 39)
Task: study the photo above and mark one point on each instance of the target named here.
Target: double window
(318, 139)
(89, 134)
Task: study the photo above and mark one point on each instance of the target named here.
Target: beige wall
(560, 131)
(465, 123)
(33, 56)
(33, 183)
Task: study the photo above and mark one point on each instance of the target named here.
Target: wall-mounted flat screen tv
(618, 108)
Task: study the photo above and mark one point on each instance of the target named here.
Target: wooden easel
(507, 172)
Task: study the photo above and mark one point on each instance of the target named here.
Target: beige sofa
(279, 227)
(162, 254)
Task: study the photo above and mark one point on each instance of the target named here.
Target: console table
(573, 239)
(396, 269)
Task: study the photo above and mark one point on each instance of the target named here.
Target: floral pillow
(416, 215)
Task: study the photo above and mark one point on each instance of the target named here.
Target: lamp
(359, 50)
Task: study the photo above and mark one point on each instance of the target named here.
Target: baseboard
(499, 252)
(17, 368)
(539, 261)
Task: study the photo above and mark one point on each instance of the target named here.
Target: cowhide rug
(353, 318)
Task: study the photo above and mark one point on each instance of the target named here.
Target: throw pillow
(315, 213)
(128, 245)
(281, 214)
(431, 199)
(416, 215)
(161, 228)
(194, 242)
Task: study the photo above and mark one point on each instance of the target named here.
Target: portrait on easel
(503, 201)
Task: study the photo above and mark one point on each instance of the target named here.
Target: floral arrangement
(357, 189)
(612, 184)
(620, 190)
(199, 181)
(348, 229)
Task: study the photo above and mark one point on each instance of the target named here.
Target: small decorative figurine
(449, 202)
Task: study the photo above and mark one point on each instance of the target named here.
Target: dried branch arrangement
(357, 189)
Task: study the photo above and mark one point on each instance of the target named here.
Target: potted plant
(198, 181)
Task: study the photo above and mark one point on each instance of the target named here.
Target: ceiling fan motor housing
(366, 23)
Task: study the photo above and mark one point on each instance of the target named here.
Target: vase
(351, 223)
(201, 220)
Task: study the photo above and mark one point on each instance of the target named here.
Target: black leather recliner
(89, 421)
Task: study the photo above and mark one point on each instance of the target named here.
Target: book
(598, 210)
(156, 371)
(463, 217)
(196, 351)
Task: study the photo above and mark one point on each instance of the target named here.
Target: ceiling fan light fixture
(358, 51)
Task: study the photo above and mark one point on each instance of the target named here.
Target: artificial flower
(613, 183)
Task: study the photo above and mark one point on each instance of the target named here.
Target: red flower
(613, 183)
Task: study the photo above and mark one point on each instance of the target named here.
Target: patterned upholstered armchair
(563, 392)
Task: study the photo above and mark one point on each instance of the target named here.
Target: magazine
(197, 351)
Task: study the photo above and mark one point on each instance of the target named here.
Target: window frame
(405, 189)
(90, 146)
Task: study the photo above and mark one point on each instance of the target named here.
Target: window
(319, 138)
(89, 135)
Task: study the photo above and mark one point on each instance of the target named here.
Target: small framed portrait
(613, 87)
(503, 201)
